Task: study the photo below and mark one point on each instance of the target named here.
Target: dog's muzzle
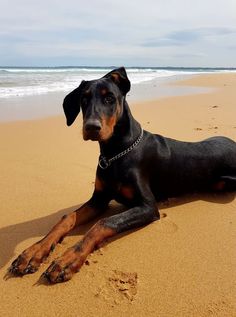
(92, 128)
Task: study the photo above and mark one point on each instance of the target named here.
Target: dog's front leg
(70, 262)
(30, 259)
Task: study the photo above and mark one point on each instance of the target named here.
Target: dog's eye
(109, 100)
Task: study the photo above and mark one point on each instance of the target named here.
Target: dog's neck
(126, 132)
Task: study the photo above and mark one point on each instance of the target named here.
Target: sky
(178, 33)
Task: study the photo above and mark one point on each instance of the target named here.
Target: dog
(135, 168)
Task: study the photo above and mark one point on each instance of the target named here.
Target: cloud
(183, 37)
(150, 33)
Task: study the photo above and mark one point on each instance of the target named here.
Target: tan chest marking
(99, 184)
(127, 191)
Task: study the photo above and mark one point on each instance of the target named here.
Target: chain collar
(105, 162)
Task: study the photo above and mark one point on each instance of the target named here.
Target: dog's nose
(93, 125)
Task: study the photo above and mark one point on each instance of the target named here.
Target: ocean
(30, 81)
(38, 92)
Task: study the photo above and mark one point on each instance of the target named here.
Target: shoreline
(48, 105)
(183, 265)
(33, 107)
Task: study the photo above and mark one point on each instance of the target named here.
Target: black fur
(159, 167)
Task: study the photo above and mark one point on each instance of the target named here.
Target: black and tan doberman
(136, 168)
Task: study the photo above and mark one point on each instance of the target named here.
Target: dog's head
(101, 101)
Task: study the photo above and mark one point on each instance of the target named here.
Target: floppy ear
(71, 104)
(120, 78)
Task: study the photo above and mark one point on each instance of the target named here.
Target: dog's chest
(124, 193)
(120, 188)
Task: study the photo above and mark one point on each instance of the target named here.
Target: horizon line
(115, 66)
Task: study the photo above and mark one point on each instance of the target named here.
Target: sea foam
(22, 81)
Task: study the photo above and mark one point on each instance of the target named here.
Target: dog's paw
(22, 266)
(29, 260)
(63, 268)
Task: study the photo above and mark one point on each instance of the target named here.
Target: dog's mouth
(92, 135)
(100, 133)
(100, 136)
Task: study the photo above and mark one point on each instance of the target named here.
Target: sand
(182, 265)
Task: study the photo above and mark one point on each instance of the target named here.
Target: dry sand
(182, 265)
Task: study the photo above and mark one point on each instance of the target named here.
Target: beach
(182, 265)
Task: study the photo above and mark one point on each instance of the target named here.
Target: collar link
(105, 162)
